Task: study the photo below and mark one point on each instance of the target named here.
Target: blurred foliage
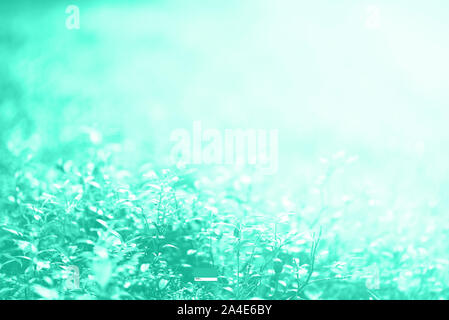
(140, 234)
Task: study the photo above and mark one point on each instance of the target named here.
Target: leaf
(116, 234)
(224, 224)
(229, 289)
(154, 186)
(103, 223)
(13, 231)
(24, 245)
(282, 283)
(45, 292)
(94, 184)
(144, 267)
(42, 265)
(163, 283)
(170, 246)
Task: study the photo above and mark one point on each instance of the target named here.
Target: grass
(142, 233)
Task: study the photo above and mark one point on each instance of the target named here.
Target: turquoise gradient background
(337, 91)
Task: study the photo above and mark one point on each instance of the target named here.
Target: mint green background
(135, 72)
